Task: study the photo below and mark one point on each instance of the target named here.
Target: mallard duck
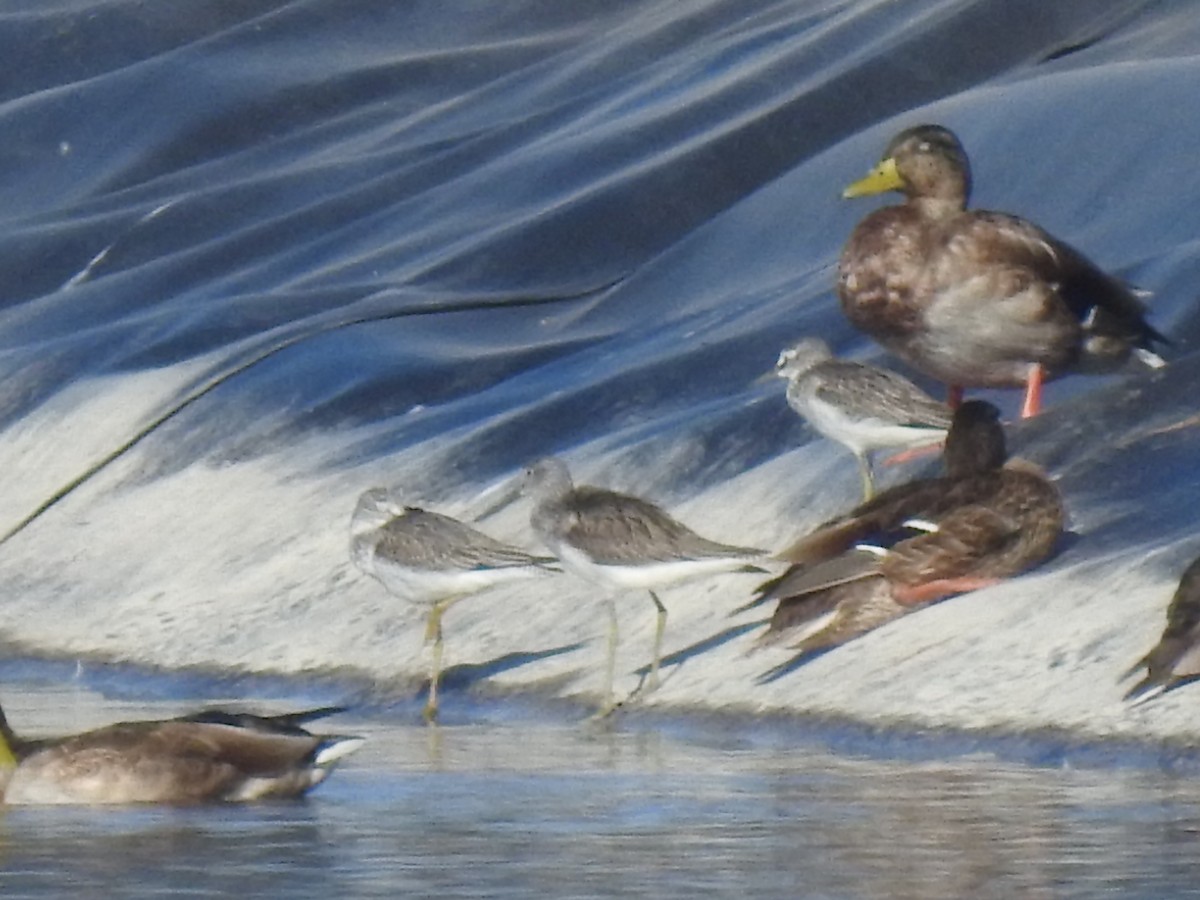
(1175, 659)
(434, 560)
(976, 298)
(211, 756)
(863, 407)
(982, 521)
(622, 541)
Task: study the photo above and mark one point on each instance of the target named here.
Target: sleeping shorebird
(622, 541)
(210, 756)
(862, 407)
(426, 558)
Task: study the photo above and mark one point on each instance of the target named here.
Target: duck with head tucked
(206, 757)
(976, 298)
(984, 520)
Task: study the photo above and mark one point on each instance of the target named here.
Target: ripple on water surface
(497, 807)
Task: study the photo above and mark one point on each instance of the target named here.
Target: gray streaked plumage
(862, 407)
(620, 540)
(1175, 659)
(427, 558)
(212, 756)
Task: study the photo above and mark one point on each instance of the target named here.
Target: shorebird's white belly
(865, 434)
(646, 576)
(432, 585)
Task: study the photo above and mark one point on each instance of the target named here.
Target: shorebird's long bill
(884, 177)
(495, 498)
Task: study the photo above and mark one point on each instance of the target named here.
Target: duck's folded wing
(962, 543)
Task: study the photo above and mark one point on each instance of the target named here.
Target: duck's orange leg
(939, 588)
(912, 453)
(1033, 391)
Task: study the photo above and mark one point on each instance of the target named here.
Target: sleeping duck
(210, 756)
(984, 520)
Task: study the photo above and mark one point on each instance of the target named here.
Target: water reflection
(545, 808)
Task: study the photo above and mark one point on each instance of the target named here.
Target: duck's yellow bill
(884, 177)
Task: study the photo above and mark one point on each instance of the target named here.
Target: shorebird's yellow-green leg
(659, 627)
(610, 666)
(868, 477)
(433, 634)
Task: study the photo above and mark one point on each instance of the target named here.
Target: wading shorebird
(433, 560)
(622, 541)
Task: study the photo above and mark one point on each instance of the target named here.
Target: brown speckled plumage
(983, 520)
(212, 756)
(976, 298)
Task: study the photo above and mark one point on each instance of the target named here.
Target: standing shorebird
(623, 541)
(210, 756)
(427, 558)
(1175, 659)
(983, 521)
(862, 407)
(976, 298)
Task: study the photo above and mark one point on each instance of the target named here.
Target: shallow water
(258, 257)
(513, 801)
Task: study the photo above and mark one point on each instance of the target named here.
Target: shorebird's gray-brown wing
(867, 392)
(617, 529)
(421, 539)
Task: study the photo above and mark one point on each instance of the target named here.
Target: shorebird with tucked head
(976, 298)
(210, 756)
(432, 560)
(622, 541)
(862, 407)
(1175, 660)
(984, 520)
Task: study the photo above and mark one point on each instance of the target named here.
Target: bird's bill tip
(496, 497)
(767, 377)
(884, 177)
